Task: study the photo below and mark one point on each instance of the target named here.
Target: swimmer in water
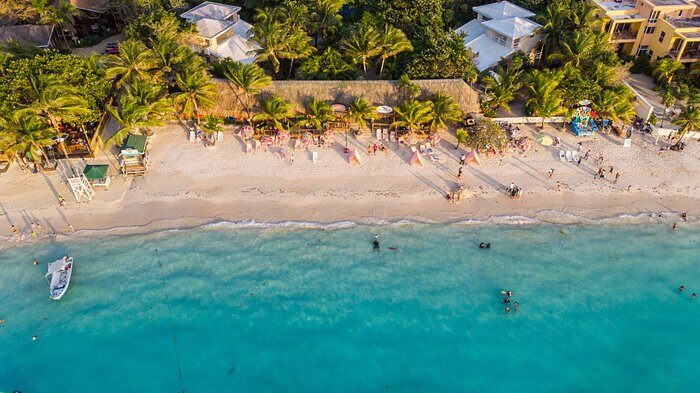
(681, 288)
(694, 295)
(504, 292)
(506, 300)
(34, 337)
(516, 304)
(376, 243)
(510, 294)
(507, 309)
(35, 262)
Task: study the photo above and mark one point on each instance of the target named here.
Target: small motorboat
(58, 276)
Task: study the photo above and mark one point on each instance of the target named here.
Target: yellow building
(655, 27)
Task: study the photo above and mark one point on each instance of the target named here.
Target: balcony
(688, 55)
(624, 36)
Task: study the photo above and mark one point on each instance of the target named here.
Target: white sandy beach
(188, 184)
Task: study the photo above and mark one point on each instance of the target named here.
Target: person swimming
(510, 293)
(694, 295)
(507, 309)
(506, 300)
(485, 245)
(681, 288)
(516, 304)
(504, 292)
(376, 242)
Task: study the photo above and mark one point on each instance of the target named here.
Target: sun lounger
(314, 157)
(248, 148)
(562, 155)
(392, 136)
(385, 135)
(378, 134)
(192, 136)
(574, 156)
(568, 156)
(257, 146)
(297, 143)
(219, 136)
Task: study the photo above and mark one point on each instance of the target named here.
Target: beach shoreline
(189, 185)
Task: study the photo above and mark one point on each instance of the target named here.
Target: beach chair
(562, 155)
(257, 146)
(248, 148)
(297, 143)
(422, 149)
(219, 136)
(385, 135)
(569, 157)
(192, 136)
(378, 134)
(314, 157)
(392, 136)
(574, 156)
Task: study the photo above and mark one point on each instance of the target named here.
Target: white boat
(59, 272)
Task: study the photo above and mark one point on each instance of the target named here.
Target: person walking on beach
(685, 217)
(15, 231)
(61, 201)
(579, 161)
(551, 173)
(459, 173)
(588, 154)
(674, 226)
(580, 147)
(617, 177)
(558, 186)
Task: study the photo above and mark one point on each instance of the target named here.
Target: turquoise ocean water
(309, 310)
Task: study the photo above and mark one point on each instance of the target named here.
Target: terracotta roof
(39, 35)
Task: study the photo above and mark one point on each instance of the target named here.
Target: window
(649, 30)
(651, 53)
(662, 36)
(654, 16)
(516, 43)
(680, 13)
(642, 50)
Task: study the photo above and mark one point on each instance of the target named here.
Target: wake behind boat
(59, 272)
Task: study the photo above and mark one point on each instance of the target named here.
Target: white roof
(473, 29)
(237, 47)
(503, 9)
(488, 52)
(210, 10)
(210, 28)
(513, 27)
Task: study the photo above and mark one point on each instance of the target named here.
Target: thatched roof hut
(299, 93)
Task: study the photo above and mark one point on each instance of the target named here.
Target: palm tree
(318, 112)
(274, 110)
(461, 135)
(392, 42)
(502, 87)
(212, 124)
(61, 17)
(299, 47)
(26, 133)
(575, 48)
(247, 79)
(444, 111)
(361, 110)
(412, 114)
(324, 16)
(168, 55)
(133, 62)
(196, 93)
(689, 120)
(545, 100)
(582, 15)
(132, 116)
(547, 105)
(554, 28)
(269, 15)
(616, 104)
(363, 44)
(273, 41)
(665, 69)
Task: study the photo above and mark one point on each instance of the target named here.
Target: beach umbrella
(544, 139)
(416, 159)
(472, 158)
(354, 158)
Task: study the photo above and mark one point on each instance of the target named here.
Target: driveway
(98, 49)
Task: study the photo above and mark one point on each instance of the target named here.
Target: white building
(221, 33)
(499, 30)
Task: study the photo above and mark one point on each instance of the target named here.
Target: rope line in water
(172, 326)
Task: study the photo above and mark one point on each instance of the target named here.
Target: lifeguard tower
(132, 157)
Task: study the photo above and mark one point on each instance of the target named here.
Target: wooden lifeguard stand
(132, 157)
(81, 187)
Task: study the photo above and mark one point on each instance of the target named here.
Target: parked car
(112, 48)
